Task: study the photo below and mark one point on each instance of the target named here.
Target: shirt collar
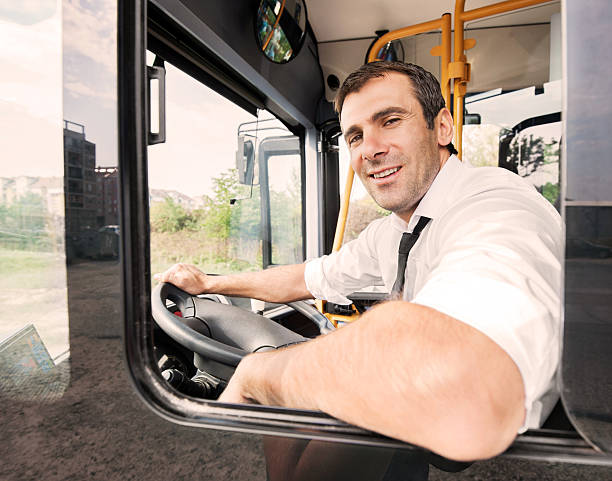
(433, 202)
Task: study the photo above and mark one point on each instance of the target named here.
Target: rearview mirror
(280, 28)
(471, 119)
(245, 160)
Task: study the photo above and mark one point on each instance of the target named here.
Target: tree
(481, 144)
(169, 216)
(218, 209)
(23, 223)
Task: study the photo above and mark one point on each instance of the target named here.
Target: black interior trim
(138, 329)
(133, 191)
(172, 43)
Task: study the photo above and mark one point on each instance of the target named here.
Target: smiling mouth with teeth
(385, 173)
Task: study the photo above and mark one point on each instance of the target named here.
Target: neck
(444, 156)
(407, 214)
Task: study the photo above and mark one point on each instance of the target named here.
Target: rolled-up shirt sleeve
(353, 267)
(506, 283)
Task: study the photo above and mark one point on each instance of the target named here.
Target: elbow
(481, 439)
(479, 416)
(481, 427)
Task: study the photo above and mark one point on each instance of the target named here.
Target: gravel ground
(99, 429)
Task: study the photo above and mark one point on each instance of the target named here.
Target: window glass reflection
(286, 208)
(34, 318)
(208, 205)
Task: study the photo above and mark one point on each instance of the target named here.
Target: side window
(34, 173)
(283, 174)
(225, 190)
(536, 152)
(519, 131)
(513, 107)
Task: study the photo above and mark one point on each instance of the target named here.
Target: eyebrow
(388, 111)
(375, 117)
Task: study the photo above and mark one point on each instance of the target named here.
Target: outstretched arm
(278, 284)
(403, 370)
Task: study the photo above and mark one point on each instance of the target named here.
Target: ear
(444, 124)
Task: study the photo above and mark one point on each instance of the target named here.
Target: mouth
(383, 174)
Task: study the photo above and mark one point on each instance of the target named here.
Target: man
(467, 358)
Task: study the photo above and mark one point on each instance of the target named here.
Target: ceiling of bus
(344, 19)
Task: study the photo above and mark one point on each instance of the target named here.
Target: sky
(45, 85)
(31, 89)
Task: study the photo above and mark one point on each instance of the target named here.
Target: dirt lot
(98, 428)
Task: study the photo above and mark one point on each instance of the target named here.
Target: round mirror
(392, 51)
(281, 28)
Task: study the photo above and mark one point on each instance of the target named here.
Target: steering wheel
(219, 332)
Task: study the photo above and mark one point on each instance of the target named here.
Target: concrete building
(81, 189)
(160, 195)
(107, 212)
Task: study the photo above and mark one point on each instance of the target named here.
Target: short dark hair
(426, 87)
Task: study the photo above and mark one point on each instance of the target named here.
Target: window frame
(136, 282)
(268, 148)
(136, 292)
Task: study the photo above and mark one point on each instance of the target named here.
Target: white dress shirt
(490, 257)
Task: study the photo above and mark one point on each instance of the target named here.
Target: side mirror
(471, 119)
(280, 28)
(245, 160)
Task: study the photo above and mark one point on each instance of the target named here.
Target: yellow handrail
(444, 24)
(459, 68)
(343, 214)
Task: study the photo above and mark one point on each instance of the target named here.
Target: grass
(28, 269)
(209, 255)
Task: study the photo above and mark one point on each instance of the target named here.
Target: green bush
(168, 216)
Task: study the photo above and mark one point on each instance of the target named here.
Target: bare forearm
(405, 371)
(278, 284)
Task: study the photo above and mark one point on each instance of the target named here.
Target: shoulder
(492, 200)
(500, 188)
(486, 179)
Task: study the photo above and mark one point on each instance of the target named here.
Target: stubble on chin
(403, 199)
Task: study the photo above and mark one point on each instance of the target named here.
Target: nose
(373, 146)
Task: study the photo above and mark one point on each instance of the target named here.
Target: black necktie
(408, 240)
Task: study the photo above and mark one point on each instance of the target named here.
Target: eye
(355, 138)
(391, 121)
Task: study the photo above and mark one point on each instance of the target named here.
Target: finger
(232, 394)
(166, 276)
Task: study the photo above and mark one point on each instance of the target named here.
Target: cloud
(27, 12)
(30, 145)
(32, 66)
(90, 29)
(79, 89)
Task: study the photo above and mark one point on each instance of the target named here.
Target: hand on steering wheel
(185, 276)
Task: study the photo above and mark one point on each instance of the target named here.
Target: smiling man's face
(392, 151)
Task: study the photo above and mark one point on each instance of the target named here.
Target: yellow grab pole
(445, 58)
(459, 59)
(402, 33)
(383, 40)
(343, 214)
(460, 69)
(440, 23)
(497, 8)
